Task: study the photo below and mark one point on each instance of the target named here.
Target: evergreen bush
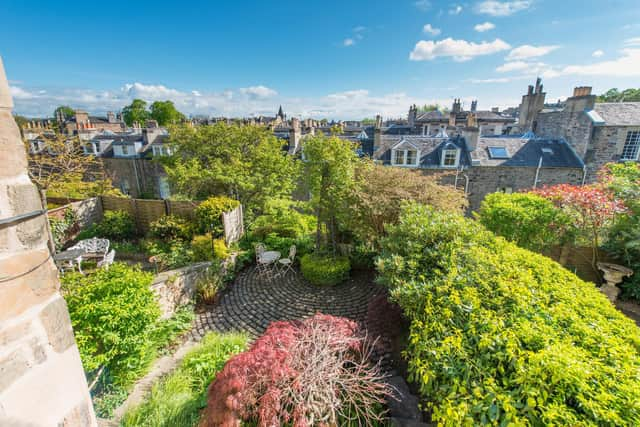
(503, 336)
(324, 270)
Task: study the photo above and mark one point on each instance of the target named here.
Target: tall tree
(244, 162)
(165, 113)
(614, 95)
(63, 170)
(136, 112)
(329, 170)
(376, 201)
(64, 109)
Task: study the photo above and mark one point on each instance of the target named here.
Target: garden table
(70, 256)
(270, 257)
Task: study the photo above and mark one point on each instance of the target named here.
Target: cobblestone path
(252, 302)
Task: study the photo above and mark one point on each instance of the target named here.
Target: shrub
(168, 256)
(208, 213)
(115, 225)
(220, 249)
(282, 219)
(177, 399)
(113, 313)
(500, 335)
(528, 220)
(210, 285)
(202, 248)
(170, 228)
(61, 228)
(324, 270)
(275, 384)
(362, 257)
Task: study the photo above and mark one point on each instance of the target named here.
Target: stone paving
(252, 302)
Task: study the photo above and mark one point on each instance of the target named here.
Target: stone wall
(606, 146)
(141, 175)
(178, 287)
(42, 382)
(574, 126)
(487, 180)
(88, 211)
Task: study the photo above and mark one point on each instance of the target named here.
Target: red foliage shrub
(303, 373)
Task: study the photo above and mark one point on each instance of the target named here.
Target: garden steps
(142, 387)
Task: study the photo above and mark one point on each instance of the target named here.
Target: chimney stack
(474, 105)
(582, 91)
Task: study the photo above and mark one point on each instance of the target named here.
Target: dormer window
(450, 156)
(498, 153)
(631, 148)
(125, 150)
(405, 158)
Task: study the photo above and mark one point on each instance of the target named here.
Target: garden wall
(146, 211)
(88, 211)
(177, 287)
(578, 261)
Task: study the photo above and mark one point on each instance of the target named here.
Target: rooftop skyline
(335, 60)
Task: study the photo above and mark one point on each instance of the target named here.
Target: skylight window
(498, 153)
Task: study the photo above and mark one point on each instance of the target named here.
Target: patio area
(252, 302)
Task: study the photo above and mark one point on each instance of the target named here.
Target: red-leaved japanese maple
(313, 372)
(592, 208)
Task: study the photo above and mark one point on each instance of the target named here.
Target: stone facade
(137, 177)
(42, 382)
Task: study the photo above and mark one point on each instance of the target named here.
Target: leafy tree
(431, 107)
(367, 121)
(243, 162)
(136, 112)
(377, 198)
(63, 170)
(614, 95)
(329, 171)
(165, 113)
(592, 209)
(529, 220)
(624, 238)
(65, 109)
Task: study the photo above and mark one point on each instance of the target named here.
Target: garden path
(252, 302)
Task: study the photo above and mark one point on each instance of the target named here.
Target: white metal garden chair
(286, 264)
(108, 260)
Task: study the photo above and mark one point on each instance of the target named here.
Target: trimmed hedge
(500, 335)
(208, 213)
(324, 270)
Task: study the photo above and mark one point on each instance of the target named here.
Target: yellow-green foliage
(178, 398)
(324, 270)
(208, 213)
(220, 249)
(503, 336)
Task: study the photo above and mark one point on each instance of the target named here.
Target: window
(125, 150)
(631, 146)
(411, 157)
(498, 153)
(399, 158)
(450, 157)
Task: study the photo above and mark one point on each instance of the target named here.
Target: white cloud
(627, 65)
(455, 10)
(259, 92)
(597, 53)
(493, 80)
(423, 5)
(429, 29)
(348, 42)
(501, 8)
(349, 94)
(527, 68)
(634, 41)
(460, 50)
(359, 29)
(527, 51)
(486, 26)
(19, 93)
(150, 92)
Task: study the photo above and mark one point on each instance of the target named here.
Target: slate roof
(430, 148)
(526, 152)
(619, 113)
(484, 115)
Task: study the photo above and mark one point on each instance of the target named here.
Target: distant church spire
(280, 113)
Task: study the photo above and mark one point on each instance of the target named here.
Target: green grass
(176, 401)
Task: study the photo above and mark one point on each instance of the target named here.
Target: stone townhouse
(599, 133)
(480, 165)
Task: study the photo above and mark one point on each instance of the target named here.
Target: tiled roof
(430, 148)
(619, 113)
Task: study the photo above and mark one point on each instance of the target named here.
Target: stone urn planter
(613, 274)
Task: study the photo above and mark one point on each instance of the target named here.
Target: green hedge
(208, 213)
(324, 270)
(503, 336)
(115, 225)
(113, 313)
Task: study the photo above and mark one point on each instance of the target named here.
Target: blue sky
(335, 59)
